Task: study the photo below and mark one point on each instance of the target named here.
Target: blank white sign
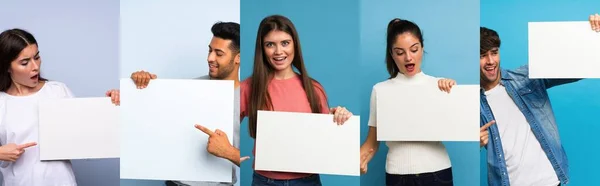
(307, 143)
(158, 137)
(424, 113)
(563, 50)
(78, 128)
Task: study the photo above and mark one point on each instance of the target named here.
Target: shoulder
(246, 83)
(57, 88)
(520, 72)
(318, 88)
(432, 78)
(55, 85)
(519, 77)
(317, 85)
(245, 87)
(382, 84)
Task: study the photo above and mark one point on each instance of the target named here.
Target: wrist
(233, 154)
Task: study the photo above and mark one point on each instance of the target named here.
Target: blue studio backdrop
(451, 43)
(574, 104)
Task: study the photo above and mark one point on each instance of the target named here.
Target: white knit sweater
(410, 157)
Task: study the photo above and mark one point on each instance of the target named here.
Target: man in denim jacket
(524, 145)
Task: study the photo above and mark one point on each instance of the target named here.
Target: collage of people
(327, 92)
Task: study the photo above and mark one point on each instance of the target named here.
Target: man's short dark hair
(488, 39)
(228, 31)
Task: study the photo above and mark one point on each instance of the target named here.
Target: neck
(412, 76)
(489, 85)
(284, 74)
(17, 89)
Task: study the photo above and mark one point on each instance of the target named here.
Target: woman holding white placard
(21, 88)
(275, 86)
(407, 163)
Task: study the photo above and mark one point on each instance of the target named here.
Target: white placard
(307, 143)
(78, 128)
(563, 50)
(424, 113)
(158, 138)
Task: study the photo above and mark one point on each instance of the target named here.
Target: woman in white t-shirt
(21, 88)
(407, 163)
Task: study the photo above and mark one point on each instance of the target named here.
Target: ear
(236, 59)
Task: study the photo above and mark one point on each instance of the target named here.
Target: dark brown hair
(12, 42)
(263, 71)
(396, 27)
(488, 39)
(228, 31)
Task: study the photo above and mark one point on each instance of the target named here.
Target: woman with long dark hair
(21, 88)
(275, 86)
(407, 163)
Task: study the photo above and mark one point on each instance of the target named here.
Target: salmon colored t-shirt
(286, 95)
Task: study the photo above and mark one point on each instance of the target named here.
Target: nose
(36, 66)
(408, 57)
(211, 57)
(490, 60)
(278, 50)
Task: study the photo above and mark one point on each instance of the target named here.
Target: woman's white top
(410, 157)
(19, 125)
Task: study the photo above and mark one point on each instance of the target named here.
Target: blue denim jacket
(531, 97)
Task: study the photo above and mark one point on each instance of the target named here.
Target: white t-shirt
(407, 157)
(19, 125)
(526, 162)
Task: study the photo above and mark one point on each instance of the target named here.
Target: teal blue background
(574, 105)
(328, 32)
(451, 34)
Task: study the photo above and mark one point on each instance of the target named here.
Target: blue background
(450, 31)
(574, 104)
(78, 43)
(329, 33)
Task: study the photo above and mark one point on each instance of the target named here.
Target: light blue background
(575, 105)
(329, 33)
(78, 43)
(169, 38)
(450, 31)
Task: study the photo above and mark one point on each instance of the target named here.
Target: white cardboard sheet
(158, 138)
(307, 143)
(78, 128)
(563, 50)
(425, 113)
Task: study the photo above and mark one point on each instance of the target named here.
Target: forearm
(556, 82)
(234, 156)
(371, 142)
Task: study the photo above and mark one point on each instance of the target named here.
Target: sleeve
(68, 93)
(244, 96)
(60, 89)
(320, 91)
(548, 83)
(373, 109)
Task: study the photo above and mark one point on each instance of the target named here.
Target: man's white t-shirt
(526, 162)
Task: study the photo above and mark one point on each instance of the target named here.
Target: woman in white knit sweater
(407, 163)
